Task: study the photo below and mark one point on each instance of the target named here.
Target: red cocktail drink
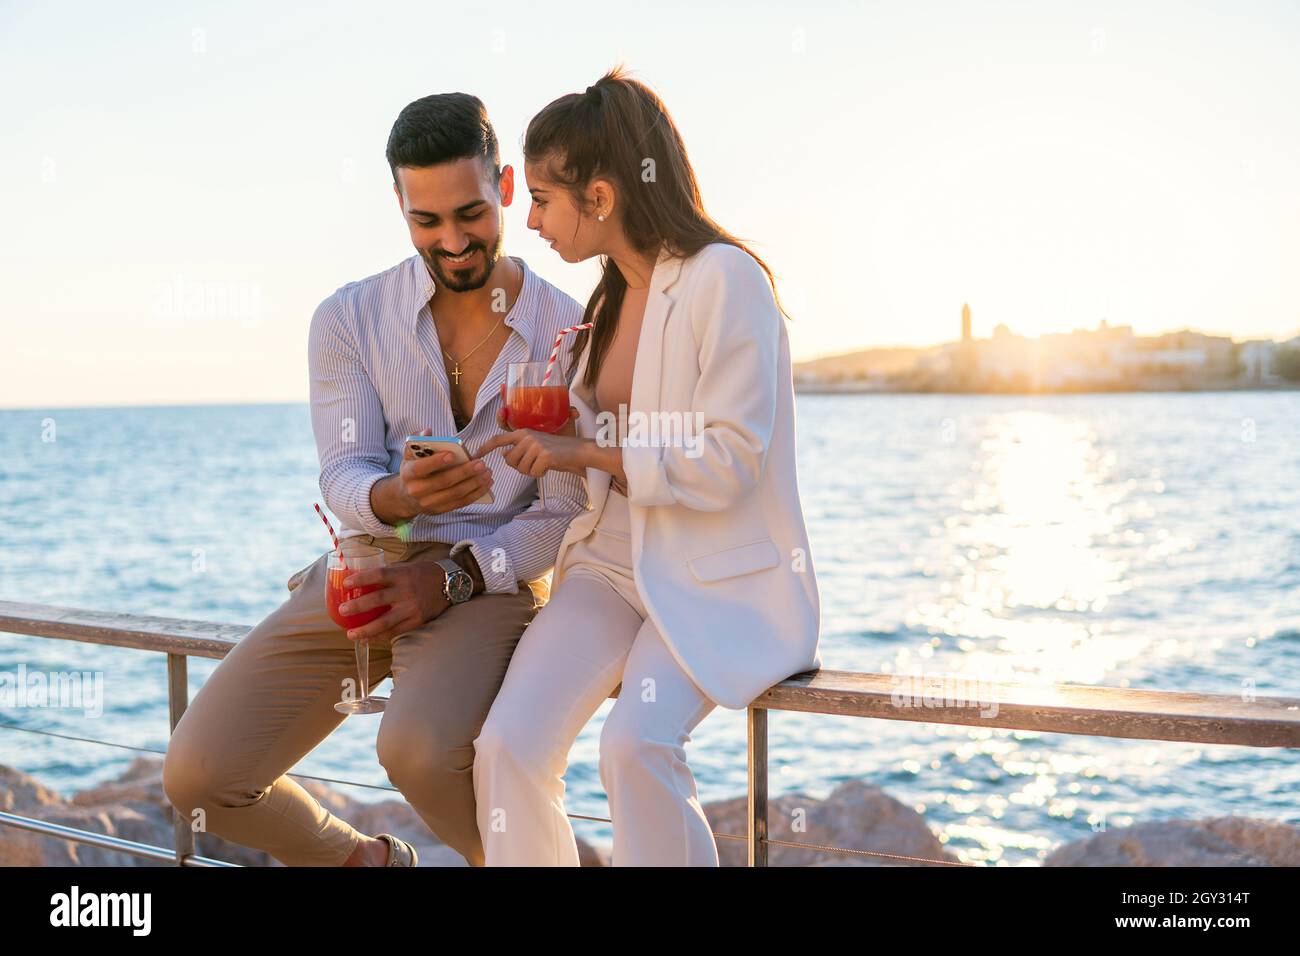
(336, 594)
(541, 407)
(359, 557)
(530, 401)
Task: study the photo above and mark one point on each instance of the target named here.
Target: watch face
(460, 586)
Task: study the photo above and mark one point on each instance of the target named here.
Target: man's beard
(464, 278)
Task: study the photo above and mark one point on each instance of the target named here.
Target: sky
(182, 184)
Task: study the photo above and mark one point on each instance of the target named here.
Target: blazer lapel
(648, 372)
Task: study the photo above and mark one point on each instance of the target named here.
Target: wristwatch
(459, 586)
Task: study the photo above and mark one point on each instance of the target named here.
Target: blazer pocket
(731, 562)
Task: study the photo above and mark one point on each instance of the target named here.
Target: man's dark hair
(441, 128)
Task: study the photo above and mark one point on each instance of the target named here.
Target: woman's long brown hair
(620, 130)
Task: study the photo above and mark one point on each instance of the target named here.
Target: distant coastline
(1106, 359)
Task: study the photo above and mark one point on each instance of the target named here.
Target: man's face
(452, 210)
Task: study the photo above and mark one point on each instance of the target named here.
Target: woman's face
(555, 216)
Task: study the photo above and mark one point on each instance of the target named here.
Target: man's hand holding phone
(439, 482)
(431, 485)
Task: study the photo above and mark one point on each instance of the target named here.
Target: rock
(1220, 841)
(856, 815)
(21, 794)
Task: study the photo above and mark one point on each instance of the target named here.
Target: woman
(688, 580)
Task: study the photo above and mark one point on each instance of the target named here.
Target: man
(421, 348)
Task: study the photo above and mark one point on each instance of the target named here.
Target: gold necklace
(455, 372)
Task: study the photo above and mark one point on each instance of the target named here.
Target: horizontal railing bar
(1049, 708)
(163, 753)
(104, 841)
(83, 740)
(140, 631)
(825, 848)
(1053, 708)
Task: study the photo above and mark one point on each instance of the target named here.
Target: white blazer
(719, 548)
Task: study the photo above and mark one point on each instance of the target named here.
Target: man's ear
(401, 203)
(507, 185)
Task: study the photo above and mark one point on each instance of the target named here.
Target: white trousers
(592, 634)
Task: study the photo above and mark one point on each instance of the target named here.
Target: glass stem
(541, 491)
(363, 668)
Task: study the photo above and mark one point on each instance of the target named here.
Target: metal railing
(1243, 720)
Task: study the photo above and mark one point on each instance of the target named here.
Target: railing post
(756, 838)
(178, 696)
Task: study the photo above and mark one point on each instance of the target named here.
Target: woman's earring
(601, 217)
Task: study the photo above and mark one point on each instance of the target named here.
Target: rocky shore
(855, 815)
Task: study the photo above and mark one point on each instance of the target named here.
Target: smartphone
(422, 446)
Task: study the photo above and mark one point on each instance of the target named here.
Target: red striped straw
(333, 537)
(556, 351)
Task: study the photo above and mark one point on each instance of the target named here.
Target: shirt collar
(521, 317)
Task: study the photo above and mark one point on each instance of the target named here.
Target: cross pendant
(455, 374)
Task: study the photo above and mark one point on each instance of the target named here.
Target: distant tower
(965, 323)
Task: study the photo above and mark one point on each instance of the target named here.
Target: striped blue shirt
(377, 375)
